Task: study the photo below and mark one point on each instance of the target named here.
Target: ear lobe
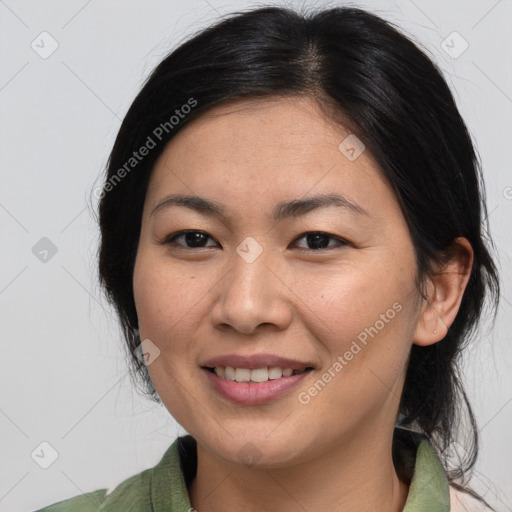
(445, 292)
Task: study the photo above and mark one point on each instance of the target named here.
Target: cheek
(167, 301)
(364, 317)
(165, 296)
(347, 301)
(151, 299)
(172, 305)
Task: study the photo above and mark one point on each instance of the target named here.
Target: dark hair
(368, 76)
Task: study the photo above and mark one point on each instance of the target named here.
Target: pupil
(315, 241)
(194, 239)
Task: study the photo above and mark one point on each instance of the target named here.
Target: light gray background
(63, 371)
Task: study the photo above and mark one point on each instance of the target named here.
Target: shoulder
(143, 492)
(88, 502)
(131, 494)
(463, 502)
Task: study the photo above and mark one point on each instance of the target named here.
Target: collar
(166, 483)
(429, 490)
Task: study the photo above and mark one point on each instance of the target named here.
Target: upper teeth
(255, 375)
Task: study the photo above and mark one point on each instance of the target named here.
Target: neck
(354, 476)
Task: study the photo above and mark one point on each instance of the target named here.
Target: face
(267, 287)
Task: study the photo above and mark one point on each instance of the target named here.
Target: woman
(292, 236)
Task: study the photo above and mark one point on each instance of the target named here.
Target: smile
(256, 374)
(253, 386)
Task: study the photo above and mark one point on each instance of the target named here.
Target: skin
(333, 453)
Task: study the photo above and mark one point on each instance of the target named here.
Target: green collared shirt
(163, 487)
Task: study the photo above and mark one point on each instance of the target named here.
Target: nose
(252, 295)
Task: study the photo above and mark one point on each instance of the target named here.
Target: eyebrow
(284, 209)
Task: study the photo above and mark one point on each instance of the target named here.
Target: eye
(194, 239)
(320, 240)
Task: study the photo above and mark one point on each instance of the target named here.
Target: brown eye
(191, 239)
(319, 240)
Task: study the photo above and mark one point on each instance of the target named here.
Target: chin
(258, 451)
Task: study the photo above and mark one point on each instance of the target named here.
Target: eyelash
(170, 240)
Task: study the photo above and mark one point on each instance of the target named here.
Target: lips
(237, 378)
(253, 393)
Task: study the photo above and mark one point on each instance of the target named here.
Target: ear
(444, 292)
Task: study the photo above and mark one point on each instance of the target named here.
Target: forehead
(247, 127)
(265, 146)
